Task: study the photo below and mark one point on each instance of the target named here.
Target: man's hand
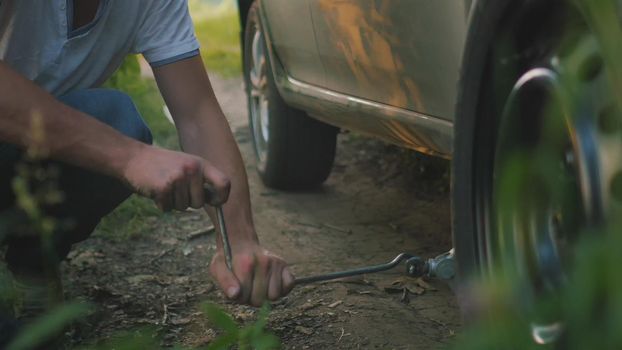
(259, 275)
(203, 130)
(175, 180)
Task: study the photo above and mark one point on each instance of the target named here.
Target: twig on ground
(322, 225)
(159, 256)
(202, 232)
(309, 224)
(337, 228)
(335, 304)
(165, 316)
(343, 334)
(437, 322)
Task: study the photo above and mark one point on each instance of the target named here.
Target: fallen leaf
(415, 286)
(304, 330)
(393, 290)
(87, 257)
(187, 250)
(415, 289)
(182, 280)
(425, 285)
(138, 279)
(309, 305)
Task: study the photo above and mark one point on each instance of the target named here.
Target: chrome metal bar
(225, 237)
(355, 272)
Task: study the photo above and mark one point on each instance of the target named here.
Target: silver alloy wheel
(531, 239)
(259, 106)
(554, 176)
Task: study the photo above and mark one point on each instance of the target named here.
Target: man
(53, 53)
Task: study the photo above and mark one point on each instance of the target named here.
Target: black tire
(487, 16)
(492, 87)
(300, 150)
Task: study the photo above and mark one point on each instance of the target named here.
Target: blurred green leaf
(223, 342)
(138, 339)
(49, 325)
(257, 329)
(266, 342)
(220, 319)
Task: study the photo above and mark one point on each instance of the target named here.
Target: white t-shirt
(38, 41)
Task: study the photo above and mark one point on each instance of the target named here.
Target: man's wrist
(122, 162)
(241, 232)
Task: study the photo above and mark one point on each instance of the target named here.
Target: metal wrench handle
(222, 227)
(354, 272)
(225, 238)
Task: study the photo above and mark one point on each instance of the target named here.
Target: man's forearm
(257, 274)
(211, 138)
(204, 131)
(66, 134)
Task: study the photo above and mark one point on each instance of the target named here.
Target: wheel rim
(549, 182)
(258, 100)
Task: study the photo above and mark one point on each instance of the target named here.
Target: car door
(404, 53)
(292, 38)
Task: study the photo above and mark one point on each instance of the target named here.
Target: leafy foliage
(48, 326)
(253, 336)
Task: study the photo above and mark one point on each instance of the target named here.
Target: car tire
(293, 150)
(537, 115)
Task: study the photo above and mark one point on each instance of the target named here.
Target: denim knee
(113, 108)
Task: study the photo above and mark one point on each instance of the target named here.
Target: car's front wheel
(541, 165)
(293, 150)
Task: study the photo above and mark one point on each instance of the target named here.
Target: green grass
(220, 44)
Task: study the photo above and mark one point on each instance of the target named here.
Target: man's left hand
(258, 275)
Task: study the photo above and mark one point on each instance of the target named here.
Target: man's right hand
(175, 180)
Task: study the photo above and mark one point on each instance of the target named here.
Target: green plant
(48, 326)
(35, 188)
(253, 336)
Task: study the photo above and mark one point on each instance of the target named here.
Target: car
(518, 94)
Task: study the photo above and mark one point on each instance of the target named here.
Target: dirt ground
(379, 201)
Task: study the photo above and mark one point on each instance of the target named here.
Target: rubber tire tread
(301, 150)
(484, 19)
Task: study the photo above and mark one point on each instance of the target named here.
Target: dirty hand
(175, 180)
(259, 275)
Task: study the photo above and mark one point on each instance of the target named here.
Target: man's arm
(76, 138)
(204, 131)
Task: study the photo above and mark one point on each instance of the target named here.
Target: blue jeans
(88, 196)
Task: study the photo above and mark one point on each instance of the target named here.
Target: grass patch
(220, 44)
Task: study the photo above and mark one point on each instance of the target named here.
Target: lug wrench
(222, 227)
(225, 238)
(441, 266)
